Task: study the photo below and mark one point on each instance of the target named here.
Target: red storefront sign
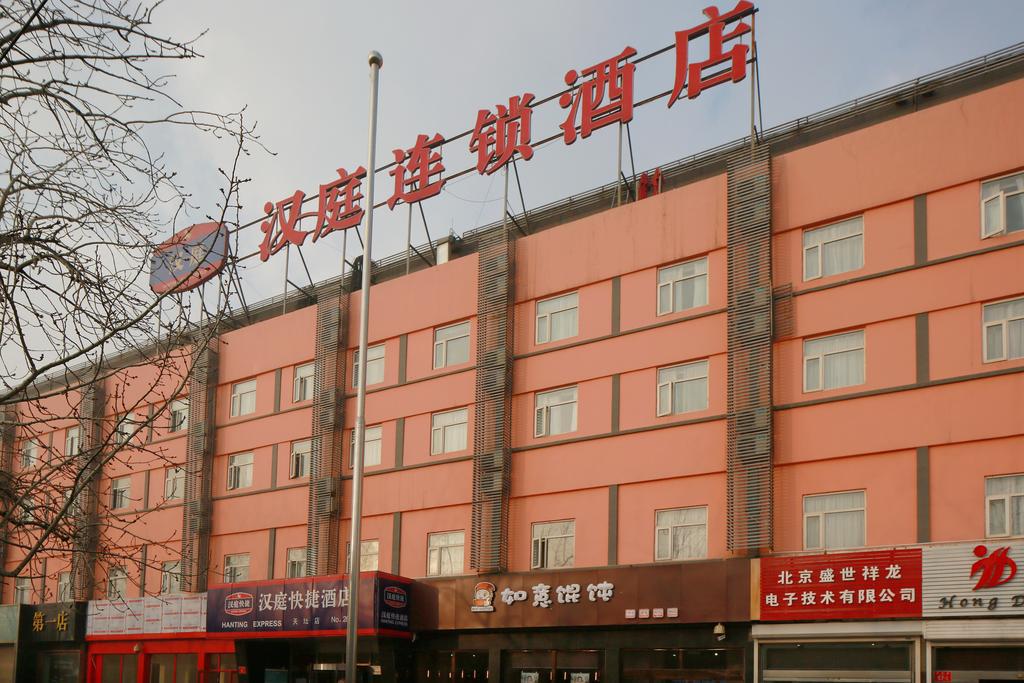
(870, 585)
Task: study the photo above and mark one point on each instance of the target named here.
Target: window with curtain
(174, 483)
(179, 415)
(373, 437)
(236, 568)
(240, 471)
(834, 520)
(681, 534)
(374, 365)
(557, 318)
(170, 577)
(302, 382)
(22, 591)
(1002, 205)
(296, 563)
(120, 489)
(554, 545)
(555, 412)
(72, 441)
(301, 453)
(834, 362)
(29, 453)
(683, 388)
(1003, 330)
(243, 398)
(369, 555)
(64, 587)
(117, 584)
(445, 553)
(834, 249)
(451, 345)
(1004, 505)
(683, 286)
(448, 431)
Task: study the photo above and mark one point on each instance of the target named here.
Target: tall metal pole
(352, 630)
(284, 289)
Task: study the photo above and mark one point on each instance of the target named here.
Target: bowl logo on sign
(238, 604)
(395, 596)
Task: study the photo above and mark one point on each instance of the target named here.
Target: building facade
(599, 439)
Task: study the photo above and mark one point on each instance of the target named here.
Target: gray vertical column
(922, 352)
(613, 524)
(924, 495)
(197, 505)
(920, 229)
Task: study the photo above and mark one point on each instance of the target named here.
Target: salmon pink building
(766, 424)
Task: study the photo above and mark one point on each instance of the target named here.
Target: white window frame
(442, 344)
(821, 361)
(671, 286)
(64, 588)
(670, 409)
(821, 520)
(295, 562)
(1001, 196)
(243, 398)
(23, 591)
(440, 432)
(120, 493)
(1007, 499)
(301, 454)
(178, 418)
(126, 427)
(435, 567)
(374, 365)
(73, 441)
(819, 244)
(174, 483)
(658, 528)
(1004, 323)
(240, 470)
(539, 543)
(117, 583)
(303, 379)
(236, 568)
(170, 577)
(364, 548)
(558, 304)
(371, 435)
(542, 413)
(29, 453)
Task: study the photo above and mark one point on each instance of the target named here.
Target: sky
(300, 70)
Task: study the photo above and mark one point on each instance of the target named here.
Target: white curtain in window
(562, 418)
(844, 529)
(844, 369)
(834, 501)
(690, 293)
(997, 517)
(1004, 310)
(564, 324)
(682, 533)
(842, 255)
(843, 360)
(1001, 486)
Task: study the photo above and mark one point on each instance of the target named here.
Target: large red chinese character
(412, 179)
(339, 203)
(279, 228)
(691, 75)
(496, 138)
(607, 75)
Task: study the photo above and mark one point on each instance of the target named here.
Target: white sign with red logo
(983, 578)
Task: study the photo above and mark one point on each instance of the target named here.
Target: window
(126, 426)
(117, 584)
(236, 568)
(243, 398)
(368, 555)
(179, 415)
(681, 534)
(834, 249)
(64, 593)
(302, 385)
(22, 591)
(555, 412)
(1004, 330)
(1004, 505)
(554, 545)
(371, 453)
(448, 431)
(1002, 205)
(170, 577)
(296, 566)
(174, 483)
(301, 452)
(558, 318)
(451, 345)
(834, 520)
(29, 453)
(683, 286)
(834, 362)
(119, 492)
(240, 471)
(683, 388)
(374, 366)
(445, 553)
(73, 441)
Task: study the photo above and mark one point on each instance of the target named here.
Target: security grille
(493, 424)
(325, 468)
(85, 508)
(198, 503)
(749, 430)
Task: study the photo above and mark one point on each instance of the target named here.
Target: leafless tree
(85, 195)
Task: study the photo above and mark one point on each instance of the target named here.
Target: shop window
(369, 555)
(1003, 330)
(1002, 205)
(22, 591)
(561, 666)
(557, 318)
(554, 545)
(1004, 505)
(64, 593)
(120, 489)
(451, 345)
(302, 384)
(460, 665)
(683, 286)
(683, 388)
(236, 568)
(173, 668)
(834, 520)
(672, 664)
(179, 415)
(555, 412)
(119, 668)
(73, 441)
(174, 483)
(834, 249)
(170, 577)
(448, 431)
(221, 668)
(374, 366)
(29, 454)
(372, 446)
(849, 661)
(834, 362)
(445, 553)
(973, 659)
(681, 534)
(117, 583)
(58, 666)
(240, 471)
(296, 563)
(243, 398)
(301, 452)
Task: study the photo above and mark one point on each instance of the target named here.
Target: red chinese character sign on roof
(496, 138)
(691, 74)
(585, 102)
(414, 169)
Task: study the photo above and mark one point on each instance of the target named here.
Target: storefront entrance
(977, 664)
(840, 662)
(682, 665)
(552, 666)
(162, 661)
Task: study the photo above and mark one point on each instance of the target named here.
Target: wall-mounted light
(719, 631)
